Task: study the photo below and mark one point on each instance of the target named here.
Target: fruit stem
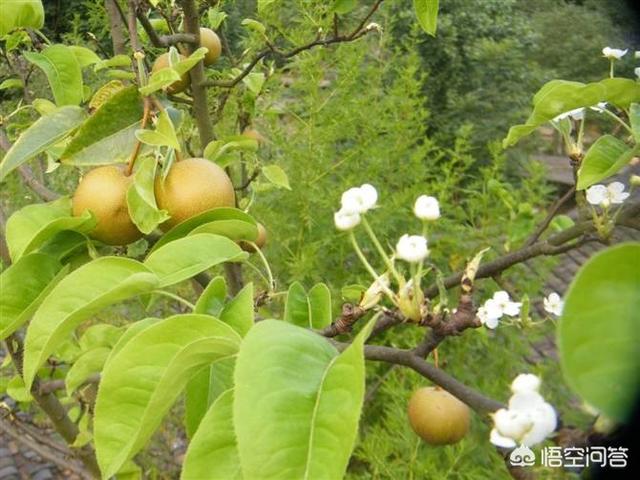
(435, 357)
(136, 150)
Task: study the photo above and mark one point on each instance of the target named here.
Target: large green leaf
(142, 381)
(212, 299)
(239, 312)
(86, 365)
(188, 256)
(560, 96)
(603, 159)
(634, 120)
(45, 132)
(310, 311)
(63, 71)
(141, 200)
(33, 225)
(213, 452)
(23, 286)
(427, 15)
(20, 13)
(599, 331)
(297, 415)
(114, 123)
(221, 221)
(80, 294)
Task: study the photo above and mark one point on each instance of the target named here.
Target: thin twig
(553, 210)
(162, 40)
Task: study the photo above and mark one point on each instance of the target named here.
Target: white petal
(525, 382)
(491, 322)
(637, 71)
(493, 309)
(524, 401)
(369, 195)
(596, 194)
(544, 423)
(512, 309)
(500, 441)
(346, 220)
(512, 423)
(412, 248)
(501, 296)
(616, 187)
(620, 197)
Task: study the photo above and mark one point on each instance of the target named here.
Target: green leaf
(222, 151)
(33, 225)
(262, 4)
(634, 119)
(301, 377)
(109, 134)
(310, 311)
(159, 80)
(100, 335)
(560, 96)
(213, 452)
(64, 244)
(132, 331)
(21, 13)
(561, 222)
(342, 7)
(63, 72)
(183, 258)
(45, 132)
(603, 159)
(17, 390)
(163, 136)
(254, 82)
(117, 61)
(84, 56)
(215, 17)
(239, 312)
(141, 199)
(227, 217)
(254, 25)
(11, 83)
(599, 334)
(277, 176)
(23, 286)
(319, 298)
(79, 295)
(87, 364)
(141, 382)
(427, 15)
(212, 299)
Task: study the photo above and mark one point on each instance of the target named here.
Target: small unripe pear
(178, 86)
(103, 191)
(193, 186)
(210, 39)
(260, 241)
(438, 417)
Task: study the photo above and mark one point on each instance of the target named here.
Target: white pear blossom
(553, 304)
(359, 199)
(496, 307)
(346, 220)
(575, 114)
(412, 248)
(637, 54)
(613, 53)
(374, 26)
(637, 71)
(604, 196)
(528, 420)
(427, 208)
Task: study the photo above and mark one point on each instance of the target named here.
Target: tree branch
(554, 245)
(553, 210)
(163, 40)
(271, 50)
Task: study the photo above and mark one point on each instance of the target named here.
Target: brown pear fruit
(193, 186)
(178, 86)
(210, 39)
(438, 417)
(103, 191)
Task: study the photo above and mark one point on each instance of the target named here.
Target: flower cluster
(355, 202)
(602, 196)
(553, 304)
(496, 307)
(528, 420)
